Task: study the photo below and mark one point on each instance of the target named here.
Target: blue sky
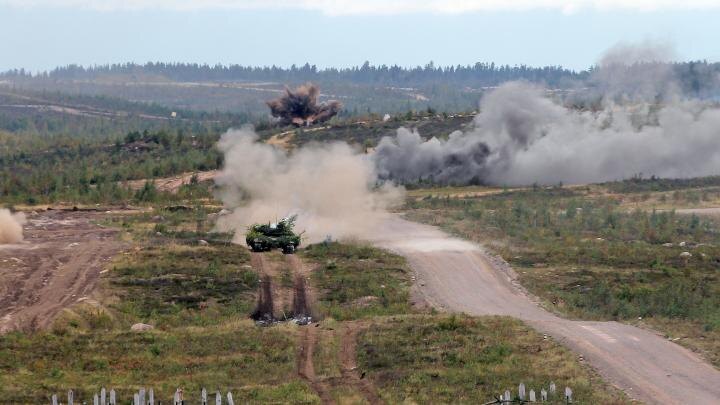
(44, 34)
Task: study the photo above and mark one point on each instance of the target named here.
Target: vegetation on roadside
(196, 295)
(359, 281)
(590, 257)
(257, 364)
(461, 359)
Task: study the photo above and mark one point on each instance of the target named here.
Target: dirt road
(58, 264)
(456, 275)
(712, 211)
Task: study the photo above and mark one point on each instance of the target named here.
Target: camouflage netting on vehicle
(280, 235)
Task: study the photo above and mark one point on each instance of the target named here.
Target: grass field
(199, 297)
(460, 359)
(359, 281)
(589, 255)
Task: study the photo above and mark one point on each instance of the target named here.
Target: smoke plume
(300, 107)
(331, 187)
(11, 226)
(522, 136)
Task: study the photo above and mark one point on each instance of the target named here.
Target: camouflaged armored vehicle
(280, 235)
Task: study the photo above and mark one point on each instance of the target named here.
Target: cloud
(370, 7)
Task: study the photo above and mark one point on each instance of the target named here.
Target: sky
(43, 34)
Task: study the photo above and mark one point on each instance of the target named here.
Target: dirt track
(456, 275)
(348, 359)
(57, 265)
(713, 211)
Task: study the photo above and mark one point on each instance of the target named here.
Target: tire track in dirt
(306, 367)
(278, 301)
(57, 265)
(303, 304)
(349, 368)
(312, 337)
(266, 308)
(304, 297)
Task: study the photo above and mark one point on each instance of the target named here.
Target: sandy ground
(173, 184)
(56, 266)
(711, 211)
(456, 275)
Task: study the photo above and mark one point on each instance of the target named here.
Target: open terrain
(457, 276)
(199, 297)
(588, 263)
(57, 266)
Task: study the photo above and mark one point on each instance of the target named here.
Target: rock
(668, 244)
(685, 255)
(682, 244)
(141, 327)
(203, 242)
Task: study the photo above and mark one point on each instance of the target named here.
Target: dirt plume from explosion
(11, 226)
(331, 187)
(300, 106)
(523, 136)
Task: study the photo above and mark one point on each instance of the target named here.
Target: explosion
(523, 136)
(300, 107)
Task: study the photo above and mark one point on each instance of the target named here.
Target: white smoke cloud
(331, 187)
(11, 226)
(366, 7)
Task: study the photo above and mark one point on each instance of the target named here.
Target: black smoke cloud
(300, 107)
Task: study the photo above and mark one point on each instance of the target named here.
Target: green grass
(357, 281)
(460, 359)
(174, 285)
(590, 258)
(199, 297)
(257, 364)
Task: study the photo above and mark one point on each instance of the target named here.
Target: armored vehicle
(280, 235)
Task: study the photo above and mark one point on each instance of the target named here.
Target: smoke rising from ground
(521, 136)
(300, 106)
(11, 226)
(331, 187)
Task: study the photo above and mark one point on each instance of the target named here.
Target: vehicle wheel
(289, 249)
(257, 247)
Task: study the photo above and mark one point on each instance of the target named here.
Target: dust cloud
(525, 134)
(11, 226)
(333, 188)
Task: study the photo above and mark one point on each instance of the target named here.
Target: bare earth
(456, 275)
(56, 266)
(712, 211)
(173, 184)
